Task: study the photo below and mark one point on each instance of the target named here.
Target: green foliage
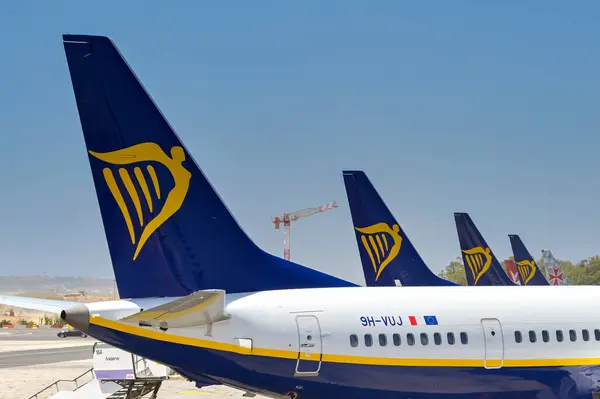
(585, 272)
(454, 272)
(27, 323)
(4, 322)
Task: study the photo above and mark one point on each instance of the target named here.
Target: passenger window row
(585, 335)
(410, 339)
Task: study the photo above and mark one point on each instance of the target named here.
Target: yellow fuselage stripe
(331, 358)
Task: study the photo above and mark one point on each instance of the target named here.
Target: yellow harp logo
(479, 261)
(375, 241)
(146, 152)
(527, 269)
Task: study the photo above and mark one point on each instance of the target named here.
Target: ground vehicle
(71, 332)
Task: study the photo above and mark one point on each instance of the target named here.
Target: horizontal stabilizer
(44, 305)
(198, 309)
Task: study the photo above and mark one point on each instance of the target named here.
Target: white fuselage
(319, 333)
(268, 318)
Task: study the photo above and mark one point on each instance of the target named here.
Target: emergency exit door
(494, 343)
(309, 346)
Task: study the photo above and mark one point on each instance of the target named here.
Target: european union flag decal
(430, 320)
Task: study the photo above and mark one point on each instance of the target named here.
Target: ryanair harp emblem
(527, 269)
(479, 261)
(146, 152)
(375, 241)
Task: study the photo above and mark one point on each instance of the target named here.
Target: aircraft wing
(44, 305)
(198, 309)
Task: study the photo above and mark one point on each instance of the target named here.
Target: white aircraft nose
(78, 316)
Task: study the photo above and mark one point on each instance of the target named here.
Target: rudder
(556, 275)
(528, 269)
(168, 231)
(481, 266)
(386, 253)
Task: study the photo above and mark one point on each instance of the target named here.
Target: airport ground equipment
(290, 217)
(116, 375)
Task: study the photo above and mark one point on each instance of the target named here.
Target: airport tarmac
(32, 334)
(23, 382)
(33, 359)
(44, 356)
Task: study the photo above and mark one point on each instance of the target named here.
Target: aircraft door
(309, 346)
(494, 343)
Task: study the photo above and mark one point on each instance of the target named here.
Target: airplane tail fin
(168, 231)
(556, 275)
(481, 266)
(513, 273)
(528, 269)
(387, 255)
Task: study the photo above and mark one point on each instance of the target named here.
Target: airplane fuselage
(390, 342)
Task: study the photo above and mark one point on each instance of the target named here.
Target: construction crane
(290, 217)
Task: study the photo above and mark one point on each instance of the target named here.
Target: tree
(454, 272)
(584, 272)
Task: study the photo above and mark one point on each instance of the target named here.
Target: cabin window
(437, 338)
(450, 337)
(396, 339)
(410, 339)
(368, 340)
(572, 335)
(545, 336)
(354, 340)
(585, 334)
(597, 334)
(532, 337)
(382, 339)
(464, 339)
(424, 339)
(559, 336)
(518, 337)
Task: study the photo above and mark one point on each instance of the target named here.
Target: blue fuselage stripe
(352, 380)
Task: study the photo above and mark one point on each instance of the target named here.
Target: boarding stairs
(132, 389)
(135, 389)
(54, 387)
(116, 375)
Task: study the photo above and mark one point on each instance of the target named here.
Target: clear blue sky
(468, 106)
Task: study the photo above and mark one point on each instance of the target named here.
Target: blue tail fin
(386, 252)
(528, 269)
(481, 266)
(168, 232)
